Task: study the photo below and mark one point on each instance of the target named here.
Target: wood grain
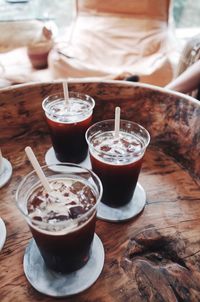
(154, 257)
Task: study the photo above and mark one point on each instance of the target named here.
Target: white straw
(117, 121)
(66, 92)
(37, 168)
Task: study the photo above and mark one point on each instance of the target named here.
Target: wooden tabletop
(153, 257)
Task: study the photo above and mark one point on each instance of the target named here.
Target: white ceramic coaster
(50, 158)
(6, 172)
(130, 210)
(2, 233)
(62, 285)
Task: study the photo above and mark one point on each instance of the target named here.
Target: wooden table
(154, 257)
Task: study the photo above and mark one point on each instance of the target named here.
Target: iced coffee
(68, 123)
(62, 222)
(117, 160)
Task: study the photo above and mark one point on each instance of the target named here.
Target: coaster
(62, 285)
(130, 210)
(2, 233)
(50, 159)
(6, 173)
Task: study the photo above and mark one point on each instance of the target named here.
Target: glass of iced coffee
(62, 222)
(117, 160)
(68, 123)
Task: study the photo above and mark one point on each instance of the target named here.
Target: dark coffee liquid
(117, 162)
(64, 242)
(66, 253)
(69, 140)
(119, 181)
(67, 129)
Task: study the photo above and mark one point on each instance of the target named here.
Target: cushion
(143, 9)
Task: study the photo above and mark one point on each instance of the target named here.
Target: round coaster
(50, 158)
(6, 173)
(130, 210)
(62, 285)
(2, 233)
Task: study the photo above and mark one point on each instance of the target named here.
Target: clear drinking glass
(117, 160)
(64, 242)
(68, 123)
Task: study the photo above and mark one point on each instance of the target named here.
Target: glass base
(126, 212)
(56, 284)
(50, 158)
(6, 173)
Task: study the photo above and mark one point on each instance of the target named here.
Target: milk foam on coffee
(70, 199)
(74, 111)
(110, 148)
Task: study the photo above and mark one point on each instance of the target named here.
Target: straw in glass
(66, 93)
(117, 122)
(38, 169)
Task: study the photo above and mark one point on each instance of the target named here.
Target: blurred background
(185, 12)
(59, 18)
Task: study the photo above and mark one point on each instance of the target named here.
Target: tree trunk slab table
(153, 257)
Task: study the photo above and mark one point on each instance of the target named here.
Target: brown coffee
(64, 236)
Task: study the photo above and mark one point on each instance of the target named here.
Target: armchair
(116, 37)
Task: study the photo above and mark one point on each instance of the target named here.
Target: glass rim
(83, 97)
(36, 223)
(112, 121)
